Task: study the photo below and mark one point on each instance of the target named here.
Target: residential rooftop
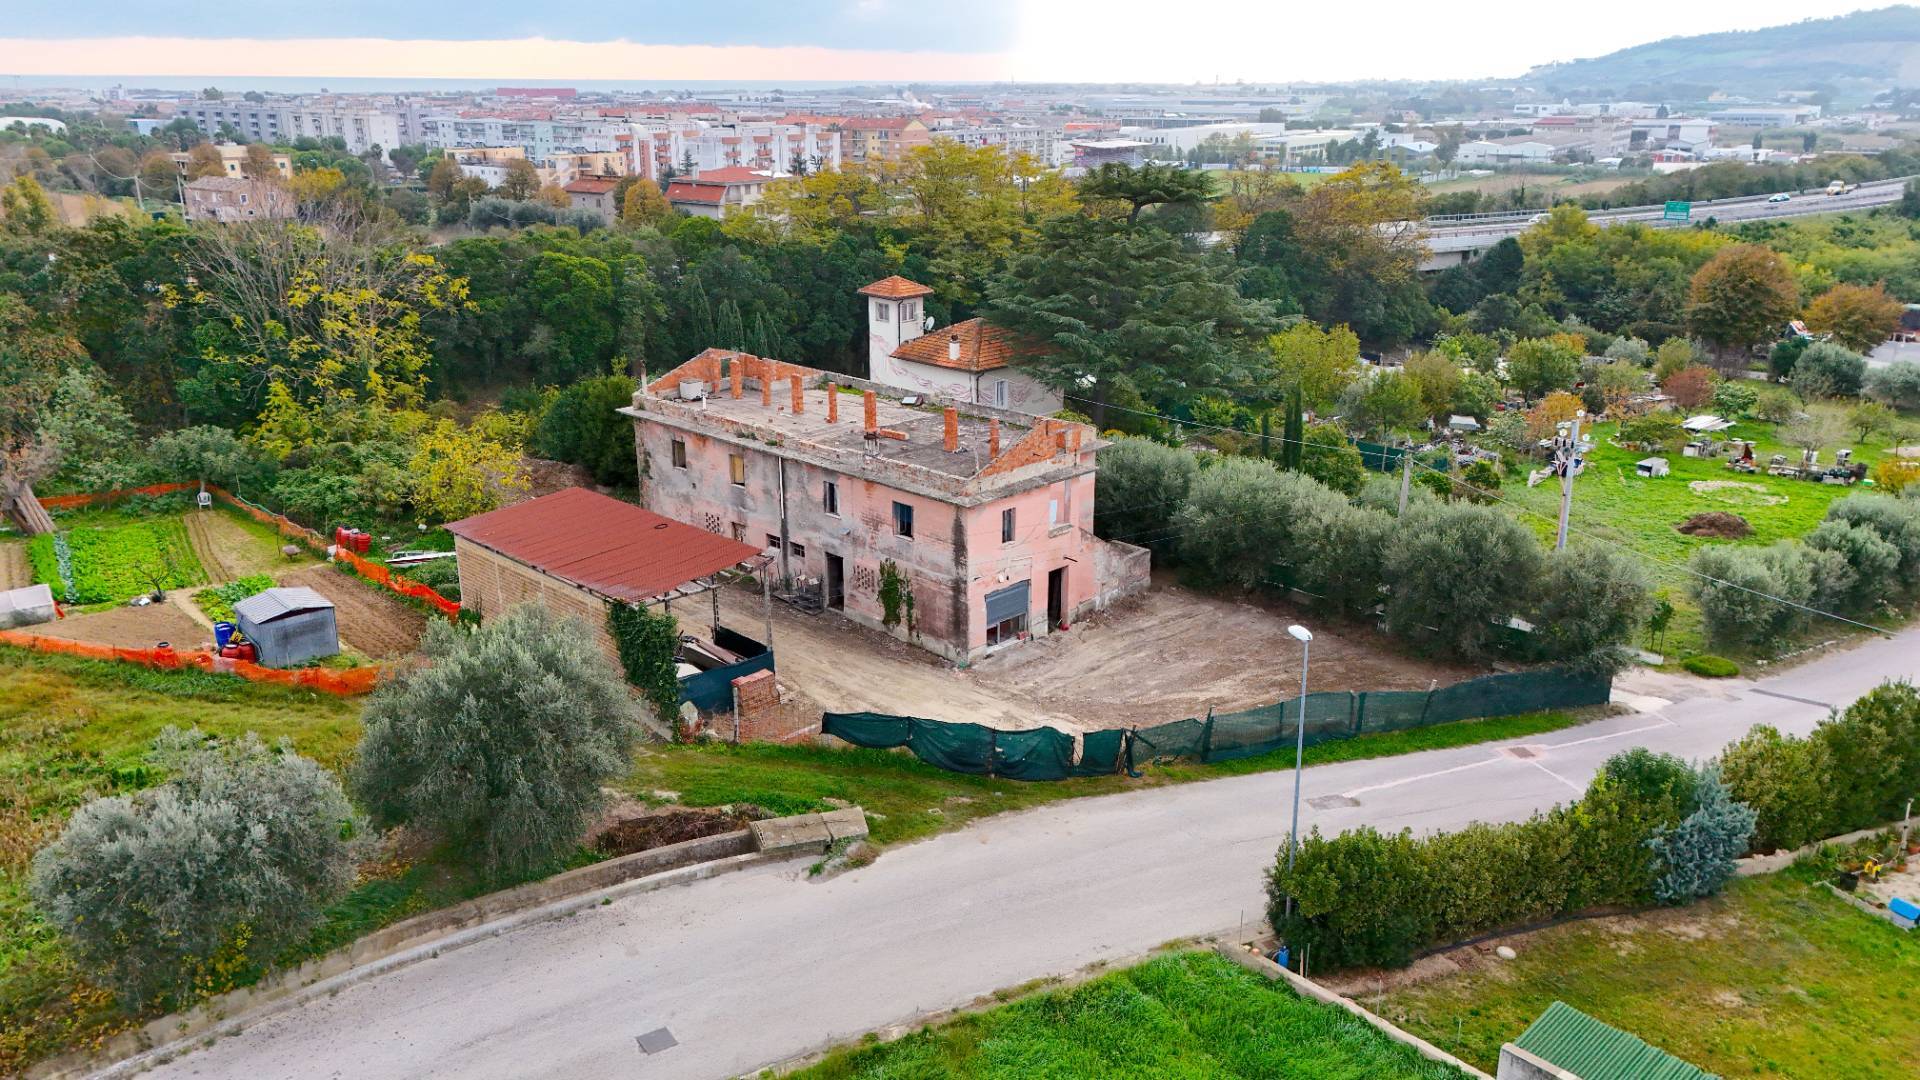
(962, 453)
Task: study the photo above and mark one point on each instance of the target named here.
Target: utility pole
(1566, 461)
(1406, 475)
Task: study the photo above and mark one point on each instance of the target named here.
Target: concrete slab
(791, 833)
(847, 824)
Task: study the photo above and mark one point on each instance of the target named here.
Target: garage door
(1008, 603)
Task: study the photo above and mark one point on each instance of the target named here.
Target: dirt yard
(371, 621)
(228, 550)
(134, 627)
(15, 571)
(1168, 655)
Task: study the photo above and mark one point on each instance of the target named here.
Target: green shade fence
(1046, 753)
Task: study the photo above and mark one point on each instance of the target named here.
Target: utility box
(288, 626)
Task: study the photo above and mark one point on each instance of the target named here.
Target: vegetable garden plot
(107, 564)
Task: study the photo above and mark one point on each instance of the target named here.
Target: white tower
(896, 314)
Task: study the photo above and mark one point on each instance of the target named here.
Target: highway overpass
(1455, 239)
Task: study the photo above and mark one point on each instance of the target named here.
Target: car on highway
(1536, 219)
(1780, 196)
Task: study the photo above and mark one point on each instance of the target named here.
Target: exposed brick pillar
(1076, 440)
(833, 404)
(873, 411)
(993, 439)
(799, 403)
(766, 383)
(952, 441)
(733, 376)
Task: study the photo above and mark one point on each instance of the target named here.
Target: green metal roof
(1591, 1050)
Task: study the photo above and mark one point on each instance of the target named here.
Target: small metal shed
(288, 626)
(1653, 466)
(26, 607)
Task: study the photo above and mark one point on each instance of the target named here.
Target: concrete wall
(492, 584)
(1517, 1064)
(1024, 394)
(1119, 571)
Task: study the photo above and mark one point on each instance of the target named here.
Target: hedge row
(1867, 551)
(1649, 828)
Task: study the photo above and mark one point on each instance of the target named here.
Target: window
(830, 498)
(880, 311)
(1053, 512)
(903, 520)
(737, 469)
(679, 454)
(999, 393)
(1007, 630)
(773, 542)
(799, 550)
(1006, 526)
(909, 311)
(739, 532)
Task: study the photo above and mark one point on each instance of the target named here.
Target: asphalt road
(759, 966)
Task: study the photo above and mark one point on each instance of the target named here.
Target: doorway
(836, 583)
(1056, 598)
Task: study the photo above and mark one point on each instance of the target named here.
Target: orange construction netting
(344, 682)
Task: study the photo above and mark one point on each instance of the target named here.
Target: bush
(1775, 405)
(1697, 855)
(1340, 548)
(1897, 521)
(1142, 484)
(1874, 748)
(1736, 589)
(1785, 354)
(1659, 430)
(228, 861)
(1592, 600)
(1827, 370)
(1237, 520)
(1690, 387)
(212, 454)
(500, 744)
(1897, 385)
(1786, 781)
(1329, 458)
(1457, 573)
(1710, 666)
(1872, 563)
(1735, 399)
(581, 427)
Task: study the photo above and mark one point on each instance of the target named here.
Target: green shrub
(1787, 782)
(116, 562)
(1458, 572)
(1591, 601)
(1697, 855)
(204, 876)
(500, 744)
(1874, 747)
(1710, 666)
(649, 646)
(1142, 484)
(218, 601)
(580, 426)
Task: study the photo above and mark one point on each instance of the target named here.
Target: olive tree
(499, 744)
(1142, 484)
(1592, 600)
(229, 860)
(1457, 571)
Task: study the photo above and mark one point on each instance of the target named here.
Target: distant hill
(1864, 51)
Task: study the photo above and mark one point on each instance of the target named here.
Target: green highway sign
(1678, 211)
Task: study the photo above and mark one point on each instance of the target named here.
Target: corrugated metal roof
(603, 545)
(274, 603)
(1591, 1050)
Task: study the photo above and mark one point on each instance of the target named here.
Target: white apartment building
(1043, 144)
(361, 127)
(655, 148)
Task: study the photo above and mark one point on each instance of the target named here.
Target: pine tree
(1294, 432)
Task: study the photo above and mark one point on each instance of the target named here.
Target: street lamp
(1305, 637)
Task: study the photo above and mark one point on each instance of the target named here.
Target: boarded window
(679, 454)
(1006, 526)
(830, 498)
(737, 469)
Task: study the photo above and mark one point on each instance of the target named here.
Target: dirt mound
(659, 830)
(1717, 525)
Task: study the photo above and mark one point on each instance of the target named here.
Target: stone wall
(761, 716)
(1119, 571)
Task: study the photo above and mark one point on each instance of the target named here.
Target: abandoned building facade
(968, 363)
(961, 529)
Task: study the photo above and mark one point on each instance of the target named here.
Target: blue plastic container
(222, 633)
(1282, 955)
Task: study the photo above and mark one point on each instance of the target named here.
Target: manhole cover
(656, 1040)
(1331, 802)
(1524, 753)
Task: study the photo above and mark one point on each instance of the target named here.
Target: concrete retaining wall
(1780, 860)
(1307, 988)
(426, 936)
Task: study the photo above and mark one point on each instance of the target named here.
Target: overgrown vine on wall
(649, 643)
(896, 597)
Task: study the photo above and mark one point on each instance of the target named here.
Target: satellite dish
(928, 321)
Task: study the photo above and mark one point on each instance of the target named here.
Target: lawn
(1191, 1014)
(907, 799)
(1612, 503)
(1772, 979)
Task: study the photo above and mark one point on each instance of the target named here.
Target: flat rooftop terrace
(924, 427)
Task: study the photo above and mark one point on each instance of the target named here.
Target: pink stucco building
(984, 515)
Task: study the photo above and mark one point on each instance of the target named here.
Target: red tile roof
(603, 545)
(895, 288)
(592, 185)
(682, 191)
(879, 123)
(983, 347)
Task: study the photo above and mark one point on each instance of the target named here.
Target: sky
(852, 40)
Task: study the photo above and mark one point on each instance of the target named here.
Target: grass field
(1184, 1015)
(1540, 188)
(1612, 503)
(907, 799)
(1772, 979)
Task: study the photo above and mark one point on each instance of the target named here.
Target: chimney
(766, 384)
(952, 442)
(993, 439)
(833, 404)
(873, 412)
(733, 373)
(1076, 440)
(800, 403)
(953, 348)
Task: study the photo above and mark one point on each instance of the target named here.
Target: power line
(1495, 496)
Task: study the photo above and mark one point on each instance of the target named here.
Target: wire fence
(1046, 753)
